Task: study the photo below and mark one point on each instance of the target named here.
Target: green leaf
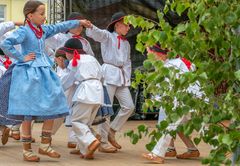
(140, 47)
(180, 8)
(163, 125)
(226, 139)
(191, 15)
(141, 128)
(237, 75)
(151, 145)
(135, 138)
(203, 76)
(197, 140)
(180, 28)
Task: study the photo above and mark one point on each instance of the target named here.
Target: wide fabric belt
(121, 68)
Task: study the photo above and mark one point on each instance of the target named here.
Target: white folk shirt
(5, 27)
(69, 92)
(193, 88)
(117, 63)
(88, 73)
(5, 30)
(58, 40)
(2, 70)
(181, 66)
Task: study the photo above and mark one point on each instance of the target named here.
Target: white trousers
(124, 98)
(71, 135)
(82, 118)
(162, 145)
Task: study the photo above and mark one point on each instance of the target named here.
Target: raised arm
(7, 45)
(97, 34)
(51, 30)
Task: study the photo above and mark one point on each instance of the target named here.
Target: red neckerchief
(38, 31)
(187, 63)
(77, 36)
(80, 37)
(119, 37)
(7, 62)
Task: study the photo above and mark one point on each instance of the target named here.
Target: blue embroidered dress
(35, 90)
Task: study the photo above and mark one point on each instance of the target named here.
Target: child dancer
(117, 73)
(88, 98)
(165, 146)
(4, 130)
(35, 91)
(56, 42)
(5, 62)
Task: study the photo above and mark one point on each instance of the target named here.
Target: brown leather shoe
(77, 152)
(171, 153)
(189, 154)
(5, 135)
(153, 158)
(46, 149)
(71, 145)
(91, 149)
(111, 139)
(108, 149)
(28, 154)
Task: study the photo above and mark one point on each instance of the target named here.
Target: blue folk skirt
(34, 93)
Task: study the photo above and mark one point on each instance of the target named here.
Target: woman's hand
(86, 23)
(30, 57)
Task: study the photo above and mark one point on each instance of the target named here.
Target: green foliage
(210, 39)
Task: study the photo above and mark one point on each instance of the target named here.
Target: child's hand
(18, 23)
(30, 57)
(60, 62)
(86, 23)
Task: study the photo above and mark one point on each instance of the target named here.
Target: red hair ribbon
(119, 40)
(76, 57)
(38, 31)
(187, 63)
(7, 62)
